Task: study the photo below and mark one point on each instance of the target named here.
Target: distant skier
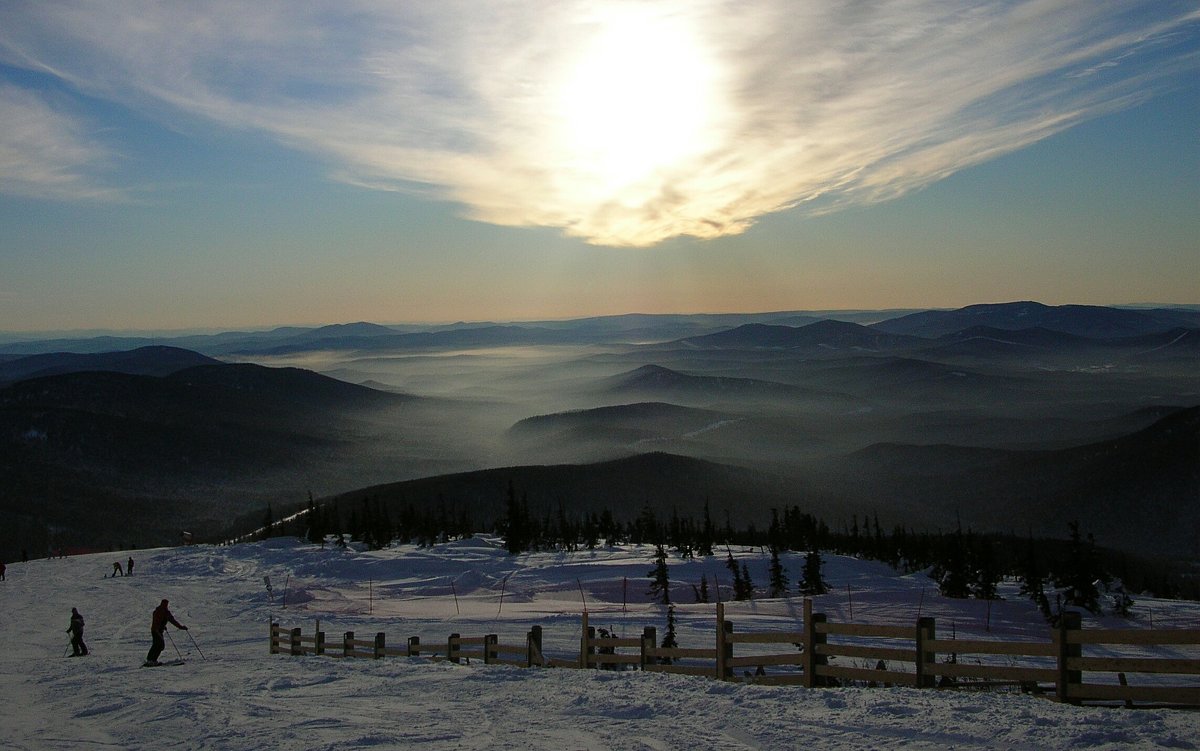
(76, 632)
(117, 569)
(2, 567)
(129, 567)
(158, 624)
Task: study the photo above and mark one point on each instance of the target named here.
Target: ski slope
(232, 694)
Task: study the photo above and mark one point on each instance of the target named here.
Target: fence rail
(874, 654)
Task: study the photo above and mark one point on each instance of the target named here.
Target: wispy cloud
(47, 153)
(621, 122)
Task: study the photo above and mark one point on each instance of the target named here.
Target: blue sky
(173, 165)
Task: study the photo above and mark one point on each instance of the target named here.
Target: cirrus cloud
(622, 123)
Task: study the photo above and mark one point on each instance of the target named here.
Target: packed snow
(232, 694)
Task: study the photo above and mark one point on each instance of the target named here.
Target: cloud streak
(47, 153)
(620, 123)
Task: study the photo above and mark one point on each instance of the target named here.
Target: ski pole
(172, 638)
(194, 644)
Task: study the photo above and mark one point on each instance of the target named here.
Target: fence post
(585, 639)
(926, 630)
(274, 638)
(533, 647)
(414, 646)
(649, 641)
(489, 648)
(296, 642)
(379, 645)
(724, 646)
(320, 645)
(452, 648)
(1068, 621)
(347, 643)
(811, 640)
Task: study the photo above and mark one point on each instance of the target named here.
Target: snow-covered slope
(237, 696)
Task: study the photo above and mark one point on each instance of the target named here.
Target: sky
(186, 165)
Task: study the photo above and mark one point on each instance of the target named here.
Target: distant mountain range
(775, 329)
(1092, 321)
(829, 335)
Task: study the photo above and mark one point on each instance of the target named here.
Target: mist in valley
(1017, 430)
(839, 430)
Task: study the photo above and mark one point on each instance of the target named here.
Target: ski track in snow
(240, 697)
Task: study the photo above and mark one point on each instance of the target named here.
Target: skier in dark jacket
(76, 632)
(158, 624)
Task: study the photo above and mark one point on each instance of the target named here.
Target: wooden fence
(828, 654)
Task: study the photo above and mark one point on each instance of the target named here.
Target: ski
(162, 664)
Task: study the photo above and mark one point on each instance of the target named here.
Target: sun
(635, 101)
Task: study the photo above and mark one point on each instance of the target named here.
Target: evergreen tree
(591, 532)
(660, 580)
(951, 573)
(1080, 572)
(735, 574)
(1032, 577)
(778, 576)
(775, 539)
(704, 545)
(669, 641)
(516, 526)
(747, 584)
(646, 528)
(608, 528)
(811, 582)
(701, 591)
(987, 573)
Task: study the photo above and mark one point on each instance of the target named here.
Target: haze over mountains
(1011, 417)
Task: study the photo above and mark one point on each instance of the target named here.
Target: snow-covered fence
(884, 655)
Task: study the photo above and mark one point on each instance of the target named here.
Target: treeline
(1054, 573)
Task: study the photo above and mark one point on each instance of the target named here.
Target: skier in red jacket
(158, 624)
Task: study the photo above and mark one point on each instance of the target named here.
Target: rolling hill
(661, 481)
(154, 360)
(1141, 490)
(104, 456)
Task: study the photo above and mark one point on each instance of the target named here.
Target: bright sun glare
(634, 103)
